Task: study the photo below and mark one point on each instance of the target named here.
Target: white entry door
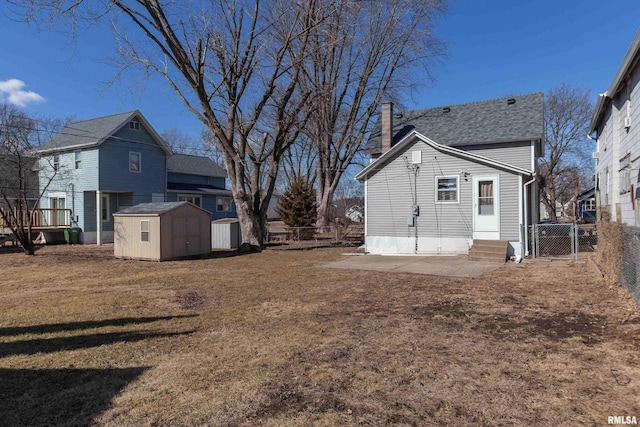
(486, 208)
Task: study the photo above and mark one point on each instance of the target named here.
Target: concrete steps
(489, 250)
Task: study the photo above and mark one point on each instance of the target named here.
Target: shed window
(224, 204)
(135, 161)
(447, 189)
(144, 230)
(134, 125)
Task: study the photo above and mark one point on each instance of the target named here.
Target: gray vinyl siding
(389, 197)
(513, 153)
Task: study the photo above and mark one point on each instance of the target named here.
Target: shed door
(186, 236)
(486, 208)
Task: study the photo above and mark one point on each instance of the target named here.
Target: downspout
(73, 204)
(526, 215)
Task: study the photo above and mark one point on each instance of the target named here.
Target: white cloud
(12, 92)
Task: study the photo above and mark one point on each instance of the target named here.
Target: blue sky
(496, 48)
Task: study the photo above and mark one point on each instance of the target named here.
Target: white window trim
(134, 125)
(148, 231)
(77, 158)
(104, 197)
(435, 188)
(230, 204)
(139, 161)
(55, 163)
(190, 196)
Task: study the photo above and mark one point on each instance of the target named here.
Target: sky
(495, 48)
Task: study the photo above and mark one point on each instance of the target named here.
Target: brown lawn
(275, 339)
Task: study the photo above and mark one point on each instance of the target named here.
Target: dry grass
(610, 248)
(275, 339)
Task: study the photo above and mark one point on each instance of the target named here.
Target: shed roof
(195, 165)
(153, 209)
(92, 132)
(507, 119)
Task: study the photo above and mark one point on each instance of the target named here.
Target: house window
(134, 125)
(104, 208)
(224, 204)
(590, 205)
(135, 161)
(447, 189)
(78, 158)
(485, 198)
(144, 230)
(196, 200)
(56, 162)
(607, 186)
(625, 174)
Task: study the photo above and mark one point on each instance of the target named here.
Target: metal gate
(563, 240)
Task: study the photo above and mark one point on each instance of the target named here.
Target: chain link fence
(302, 237)
(562, 240)
(630, 271)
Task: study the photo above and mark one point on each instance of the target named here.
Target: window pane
(144, 231)
(485, 198)
(134, 162)
(447, 189)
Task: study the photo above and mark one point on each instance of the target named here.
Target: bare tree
(20, 174)
(361, 53)
(568, 111)
(234, 63)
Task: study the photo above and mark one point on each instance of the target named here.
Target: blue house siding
(209, 203)
(114, 165)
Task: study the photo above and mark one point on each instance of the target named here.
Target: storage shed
(225, 233)
(161, 231)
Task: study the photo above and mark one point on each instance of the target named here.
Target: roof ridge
(103, 117)
(482, 101)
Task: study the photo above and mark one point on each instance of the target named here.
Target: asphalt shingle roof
(86, 132)
(150, 208)
(482, 122)
(194, 165)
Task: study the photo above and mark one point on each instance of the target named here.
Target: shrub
(297, 208)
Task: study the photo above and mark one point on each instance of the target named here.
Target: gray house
(616, 126)
(442, 178)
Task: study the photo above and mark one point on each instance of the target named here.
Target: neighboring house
(544, 214)
(103, 165)
(442, 177)
(355, 214)
(200, 181)
(587, 205)
(272, 213)
(616, 125)
(11, 168)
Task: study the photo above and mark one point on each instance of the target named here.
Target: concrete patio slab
(456, 266)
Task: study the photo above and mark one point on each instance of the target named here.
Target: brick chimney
(387, 126)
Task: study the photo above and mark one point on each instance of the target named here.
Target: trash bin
(74, 235)
(67, 235)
